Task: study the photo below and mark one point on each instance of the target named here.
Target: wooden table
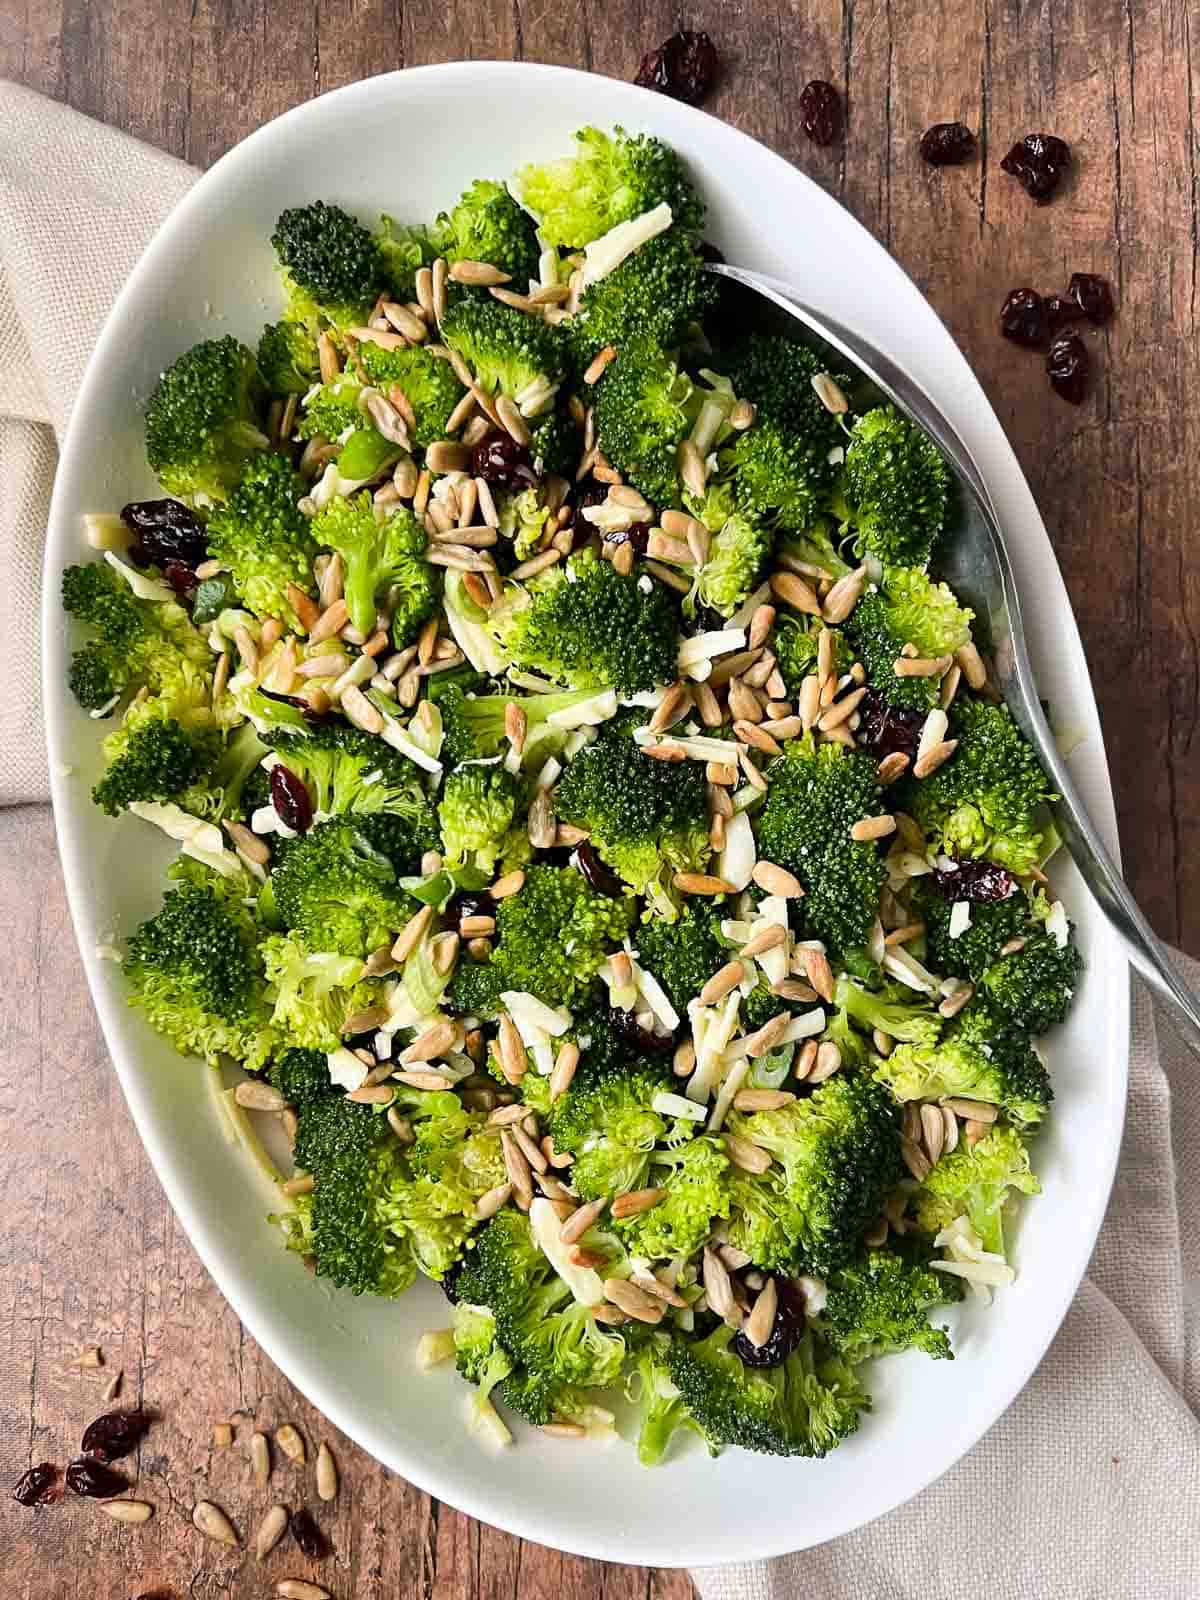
(92, 1252)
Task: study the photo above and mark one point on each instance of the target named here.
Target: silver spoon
(978, 568)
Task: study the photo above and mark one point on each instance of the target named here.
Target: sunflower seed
(971, 662)
(817, 970)
(933, 759)
(761, 1321)
(749, 1157)
(949, 1131)
(718, 1285)
(327, 1473)
(565, 1064)
(761, 1099)
(129, 1511)
(481, 274)
(830, 394)
(270, 1530)
(829, 1059)
(805, 1061)
(213, 1523)
(289, 1441)
(494, 1200)
(722, 983)
(701, 883)
(434, 1042)
(793, 591)
(956, 1000)
(692, 469)
(868, 828)
(892, 766)
(515, 1164)
(256, 1095)
(876, 1234)
(933, 1132)
(599, 363)
(915, 1159)
(972, 1110)
(300, 1588)
(633, 1301)
(635, 1201)
(844, 596)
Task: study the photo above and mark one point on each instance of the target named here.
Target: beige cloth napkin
(1090, 1485)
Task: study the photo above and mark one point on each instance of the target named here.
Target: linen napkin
(1090, 1485)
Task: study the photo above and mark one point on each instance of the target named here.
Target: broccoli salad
(602, 850)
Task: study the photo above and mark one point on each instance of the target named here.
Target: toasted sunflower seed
(327, 1473)
(270, 1530)
(289, 1441)
(213, 1523)
(128, 1510)
(635, 1201)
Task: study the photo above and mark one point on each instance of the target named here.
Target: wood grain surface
(90, 1251)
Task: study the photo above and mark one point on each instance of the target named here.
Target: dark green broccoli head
(379, 557)
(899, 486)
(262, 537)
(608, 178)
(591, 627)
(836, 1154)
(987, 800)
(655, 294)
(647, 819)
(552, 937)
(795, 647)
(136, 644)
(156, 758)
(194, 971)
(487, 224)
(609, 1126)
(429, 384)
(993, 923)
(349, 772)
(880, 1303)
(302, 1078)
(337, 892)
(804, 1407)
(908, 609)
(333, 408)
(556, 444)
(331, 259)
(287, 358)
(816, 795)
(695, 1176)
(980, 1056)
(682, 955)
(642, 417)
(505, 349)
(1035, 985)
(203, 420)
(776, 375)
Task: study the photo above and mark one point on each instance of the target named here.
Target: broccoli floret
(473, 725)
(138, 644)
(735, 556)
(795, 647)
(331, 264)
(695, 1177)
(523, 518)
(555, 1346)
(804, 1407)
(647, 819)
(683, 954)
(589, 626)
(977, 1183)
(1036, 984)
(899, 486)
(378, 557)
(302, 1078)
(505, 349)
(337, 893)
(315, 991)
(287, 358)
(196, 972)
(908, 609)
(487, 224)
(980, 1056)
(993, 923)
(661, 1408)
(154, 757)
(556, 444)
(642, 417)
(553, 936)
(203, 420)
(777, 480)
(816, 795)
(986, 800)
(776, 375)
(656, 294)
(333, 408)
(403, 249)
(476, 811)
(263, 538)
(837, 1154)
(897, 1011)
(429, 384)
(608, 1125)
(608, 179)
(352, 773)
(880, 1304)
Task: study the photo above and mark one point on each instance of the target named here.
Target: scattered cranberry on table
(1023, 318)
(684, 67)
(1093, 295)
(820, 111)
(1067, 367)
(1038, 162)
(947, 144)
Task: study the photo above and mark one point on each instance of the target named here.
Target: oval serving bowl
(408, 143)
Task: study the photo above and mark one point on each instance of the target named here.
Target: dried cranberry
(1038, 161)
(600, 876)
(291, 799)
(316, 718)
(468, 903)
(182, 579)
(626, 1026)
(1093, 295)
(499, 460)
(1067, 367)
(885, 729)
(820, 111)
(450, 1279)
(94, 1479)
(308, 1536)
(39, 1486)
(166, 530)
(1060, 313)
(786, 1331)
(684, 66)
(977, 881)
(115, 1434)
(947, 144)
(1023, 318)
